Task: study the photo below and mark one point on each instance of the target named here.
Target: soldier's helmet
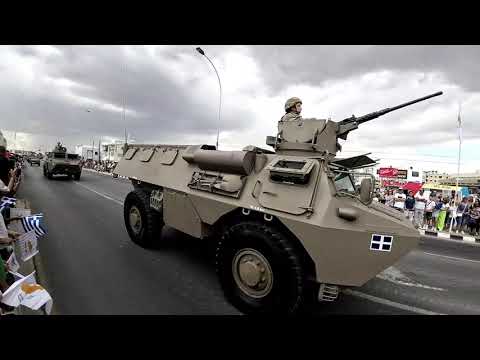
(292, 102)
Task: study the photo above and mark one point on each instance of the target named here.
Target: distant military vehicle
(33, 160)
(289, 225)
(59, 162)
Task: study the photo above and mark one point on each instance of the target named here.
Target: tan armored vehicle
(289, 224)
(60, 162)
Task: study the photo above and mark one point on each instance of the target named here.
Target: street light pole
(124, 115)
(220, 85)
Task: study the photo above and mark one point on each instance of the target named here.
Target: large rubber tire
(49, 175)
(151, 220)
(76, 177)
(289, 287)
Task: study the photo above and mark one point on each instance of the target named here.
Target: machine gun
(59, 148)
(351, 123)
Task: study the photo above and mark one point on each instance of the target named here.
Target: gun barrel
(414, 101)
(376, 114)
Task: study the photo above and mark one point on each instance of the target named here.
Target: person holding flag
(10, 187)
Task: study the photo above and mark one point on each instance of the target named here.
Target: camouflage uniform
(291, 116)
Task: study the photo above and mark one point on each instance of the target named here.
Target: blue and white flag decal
(34, 222)
(7, 202)
(381, 242)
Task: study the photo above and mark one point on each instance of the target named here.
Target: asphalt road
(90, 266)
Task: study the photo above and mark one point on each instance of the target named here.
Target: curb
(105, 173)
(451, 236)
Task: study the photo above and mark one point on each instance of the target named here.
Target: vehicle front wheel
(260, 271)
(144, 224)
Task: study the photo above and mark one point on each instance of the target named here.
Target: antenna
(220, 85)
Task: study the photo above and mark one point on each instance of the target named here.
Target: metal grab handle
(254, 187)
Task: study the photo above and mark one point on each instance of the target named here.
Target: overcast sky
(171, 96)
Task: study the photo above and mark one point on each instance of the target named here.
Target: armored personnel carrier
(289, 224)
(59, 162)
(33, 159)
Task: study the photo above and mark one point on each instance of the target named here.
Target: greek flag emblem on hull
(381, 242)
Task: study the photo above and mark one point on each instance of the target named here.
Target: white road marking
(394, 275)
(389, 303)
(101, 194)
(452, 257)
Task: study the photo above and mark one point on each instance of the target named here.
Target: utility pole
(459, 156)
(125, 146)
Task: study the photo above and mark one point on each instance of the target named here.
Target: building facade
(87, 152)
(113, 152)
(434, 177)
(465, 179)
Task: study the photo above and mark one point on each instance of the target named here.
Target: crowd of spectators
(10, 178)
(435, 211)
(102, 165)
(10, 172)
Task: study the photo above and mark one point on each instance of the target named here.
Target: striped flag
(7, 202)
(36, 223)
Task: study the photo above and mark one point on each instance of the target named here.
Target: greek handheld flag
(34, 222)
(7, 202)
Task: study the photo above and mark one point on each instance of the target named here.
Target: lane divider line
(101, 194)
(451, 257)
(389, 303)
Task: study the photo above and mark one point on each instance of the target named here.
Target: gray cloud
(169, 105)
(106, 74)
(316, 64)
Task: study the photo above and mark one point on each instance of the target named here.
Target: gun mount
(59, 148)
(318, 135)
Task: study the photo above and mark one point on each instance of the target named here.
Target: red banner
(387, 183)
(387, 172)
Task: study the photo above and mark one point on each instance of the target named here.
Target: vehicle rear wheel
(144, 224)
(76, 177)
(260, 271)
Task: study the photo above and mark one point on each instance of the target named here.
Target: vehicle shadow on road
(61, 178)
(199, 251)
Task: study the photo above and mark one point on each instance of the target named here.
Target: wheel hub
(252, 273)
(135, 220)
